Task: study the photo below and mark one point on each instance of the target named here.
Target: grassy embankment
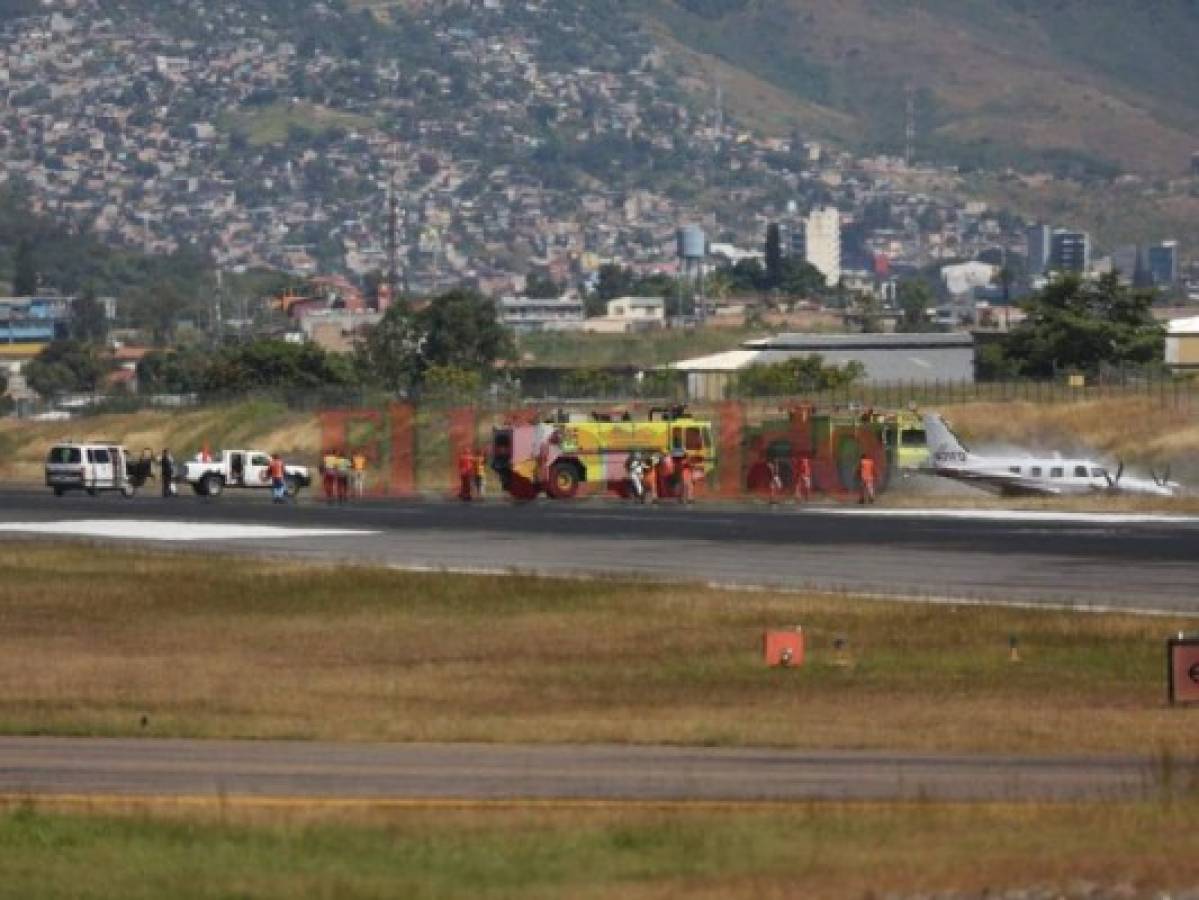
(264, 425)
(650, 348)
(1145, 433)
(816, 851)
(92, 642)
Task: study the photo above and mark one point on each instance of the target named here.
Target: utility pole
(217, 327)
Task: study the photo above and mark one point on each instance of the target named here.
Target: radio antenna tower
(719, 108)
(909, 150)
(393, 256)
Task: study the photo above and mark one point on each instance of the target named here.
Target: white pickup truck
(242, 469)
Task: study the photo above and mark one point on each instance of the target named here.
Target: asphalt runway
(1107, 562)
(122, 768)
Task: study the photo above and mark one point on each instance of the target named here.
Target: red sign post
(1182, 669)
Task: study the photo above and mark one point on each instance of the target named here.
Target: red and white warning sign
(1182, 669)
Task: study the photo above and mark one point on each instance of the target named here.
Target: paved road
(1152, 565)
(179, 768)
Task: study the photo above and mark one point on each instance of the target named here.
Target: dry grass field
(93, 640)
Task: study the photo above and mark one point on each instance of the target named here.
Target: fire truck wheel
(564, 481)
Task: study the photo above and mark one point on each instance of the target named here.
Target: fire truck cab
(570, 451)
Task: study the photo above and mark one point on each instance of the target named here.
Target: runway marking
(156, 530)
(1011, 515)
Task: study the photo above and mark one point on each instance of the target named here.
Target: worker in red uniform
(688, 467)
(866, 479)
(665, 479)
(466, 474)
(277, 472)
(803, 478)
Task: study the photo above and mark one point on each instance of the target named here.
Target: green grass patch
(648, 348)
(814, 851)
(209, 647)
(270, 124)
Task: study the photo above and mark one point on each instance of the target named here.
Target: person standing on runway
(166, 470)
(866, 480)
(803, 478)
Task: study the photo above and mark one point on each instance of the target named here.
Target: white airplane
(1023, 475)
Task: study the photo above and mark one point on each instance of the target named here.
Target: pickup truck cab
(93, 467)
(239, 469)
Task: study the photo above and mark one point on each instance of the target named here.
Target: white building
(963, 279)
(627, 314)
(822, 235)
(525, 314)
(1182, 345)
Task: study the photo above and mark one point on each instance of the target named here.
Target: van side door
(101, 466)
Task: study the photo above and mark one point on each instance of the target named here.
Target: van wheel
(91, 492)
(564, 481)
(214, 485)
(58, 492)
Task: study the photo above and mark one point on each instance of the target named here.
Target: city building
(1161, 261)
(34, 319)
(524, 314)
(822, 243)
(1070, 251)
(1037, 241)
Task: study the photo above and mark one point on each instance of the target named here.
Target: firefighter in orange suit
(803, 478)
(466, 474)
(867, 479)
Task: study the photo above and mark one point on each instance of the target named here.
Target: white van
(91, 467)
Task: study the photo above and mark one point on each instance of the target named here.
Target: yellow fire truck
(570, 451)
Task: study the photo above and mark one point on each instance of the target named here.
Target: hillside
(1073, 85)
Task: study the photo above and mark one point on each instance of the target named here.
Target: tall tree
(539, 286)
(774, 256)
(614, 281)
(460, 330)
(914, 299)
(24, 279)
(391, 352)
(88, 320)
(1076, 325)
(65, 366)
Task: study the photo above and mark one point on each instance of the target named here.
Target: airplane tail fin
(943, 445)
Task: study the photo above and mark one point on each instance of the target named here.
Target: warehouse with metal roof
(887, 358)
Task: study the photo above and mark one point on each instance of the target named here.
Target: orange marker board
(1183, 670)
(782, 648)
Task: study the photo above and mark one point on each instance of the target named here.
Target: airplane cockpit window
(1057, 472)
(1081, 471)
